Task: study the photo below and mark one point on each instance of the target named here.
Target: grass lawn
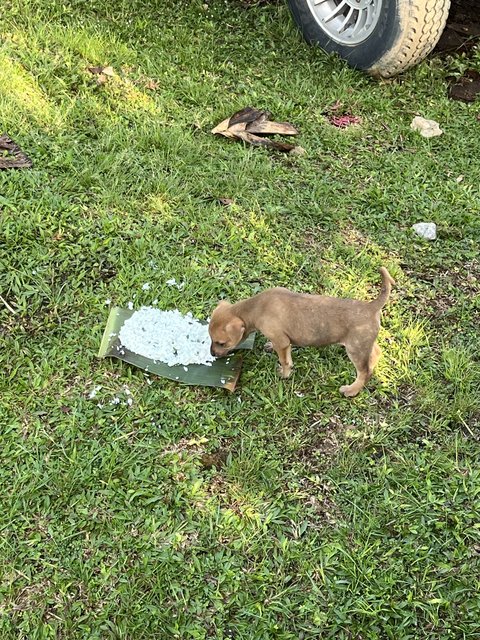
(331, 518)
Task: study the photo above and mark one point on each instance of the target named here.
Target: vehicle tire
(383, 37)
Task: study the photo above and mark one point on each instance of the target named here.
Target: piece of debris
(102, 73)
(11, 156)
(152, 85)
(173, 283)
(426, 128)
(106, 71)
(3, 301)
(465, 88)
(94, 391)
(344, 121)
(250, 125)
(227, 202)
(427, 230)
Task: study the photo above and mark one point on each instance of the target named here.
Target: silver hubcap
(346, 21)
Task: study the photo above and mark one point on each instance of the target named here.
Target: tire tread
(422, 24)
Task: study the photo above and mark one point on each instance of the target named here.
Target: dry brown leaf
(250, 125)
(248, 114)
(257, 141)
(222, 127)
(266, 127)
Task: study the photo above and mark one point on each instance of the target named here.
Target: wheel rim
(346, 21)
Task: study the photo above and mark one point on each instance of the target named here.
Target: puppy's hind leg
(375, 355)
(364, 361)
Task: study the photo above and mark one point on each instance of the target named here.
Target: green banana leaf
(224, 372)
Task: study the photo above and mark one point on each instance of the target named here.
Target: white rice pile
(167, 336)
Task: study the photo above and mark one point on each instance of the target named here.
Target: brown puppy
(303, 320)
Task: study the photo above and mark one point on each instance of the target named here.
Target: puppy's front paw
(284, 372)
(349, 390)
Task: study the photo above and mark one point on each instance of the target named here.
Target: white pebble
(94, 392)
(173, 283)
(427, 230)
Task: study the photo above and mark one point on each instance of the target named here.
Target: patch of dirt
(446, 283)
(321, 502)
(11, 156)
(30, 597)
(325, 444)
(215, 459)
(465, 88)
(404, 398)
(189, 446)
(462, 31)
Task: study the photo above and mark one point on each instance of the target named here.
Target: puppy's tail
(387, 282)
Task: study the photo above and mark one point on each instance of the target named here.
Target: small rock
(297, 151)
(108, 71)
(427, 128)
(427, 230)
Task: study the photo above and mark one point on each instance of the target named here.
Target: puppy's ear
(235, 329)
(223, 304)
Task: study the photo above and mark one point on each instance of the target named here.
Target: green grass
(331, 518)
